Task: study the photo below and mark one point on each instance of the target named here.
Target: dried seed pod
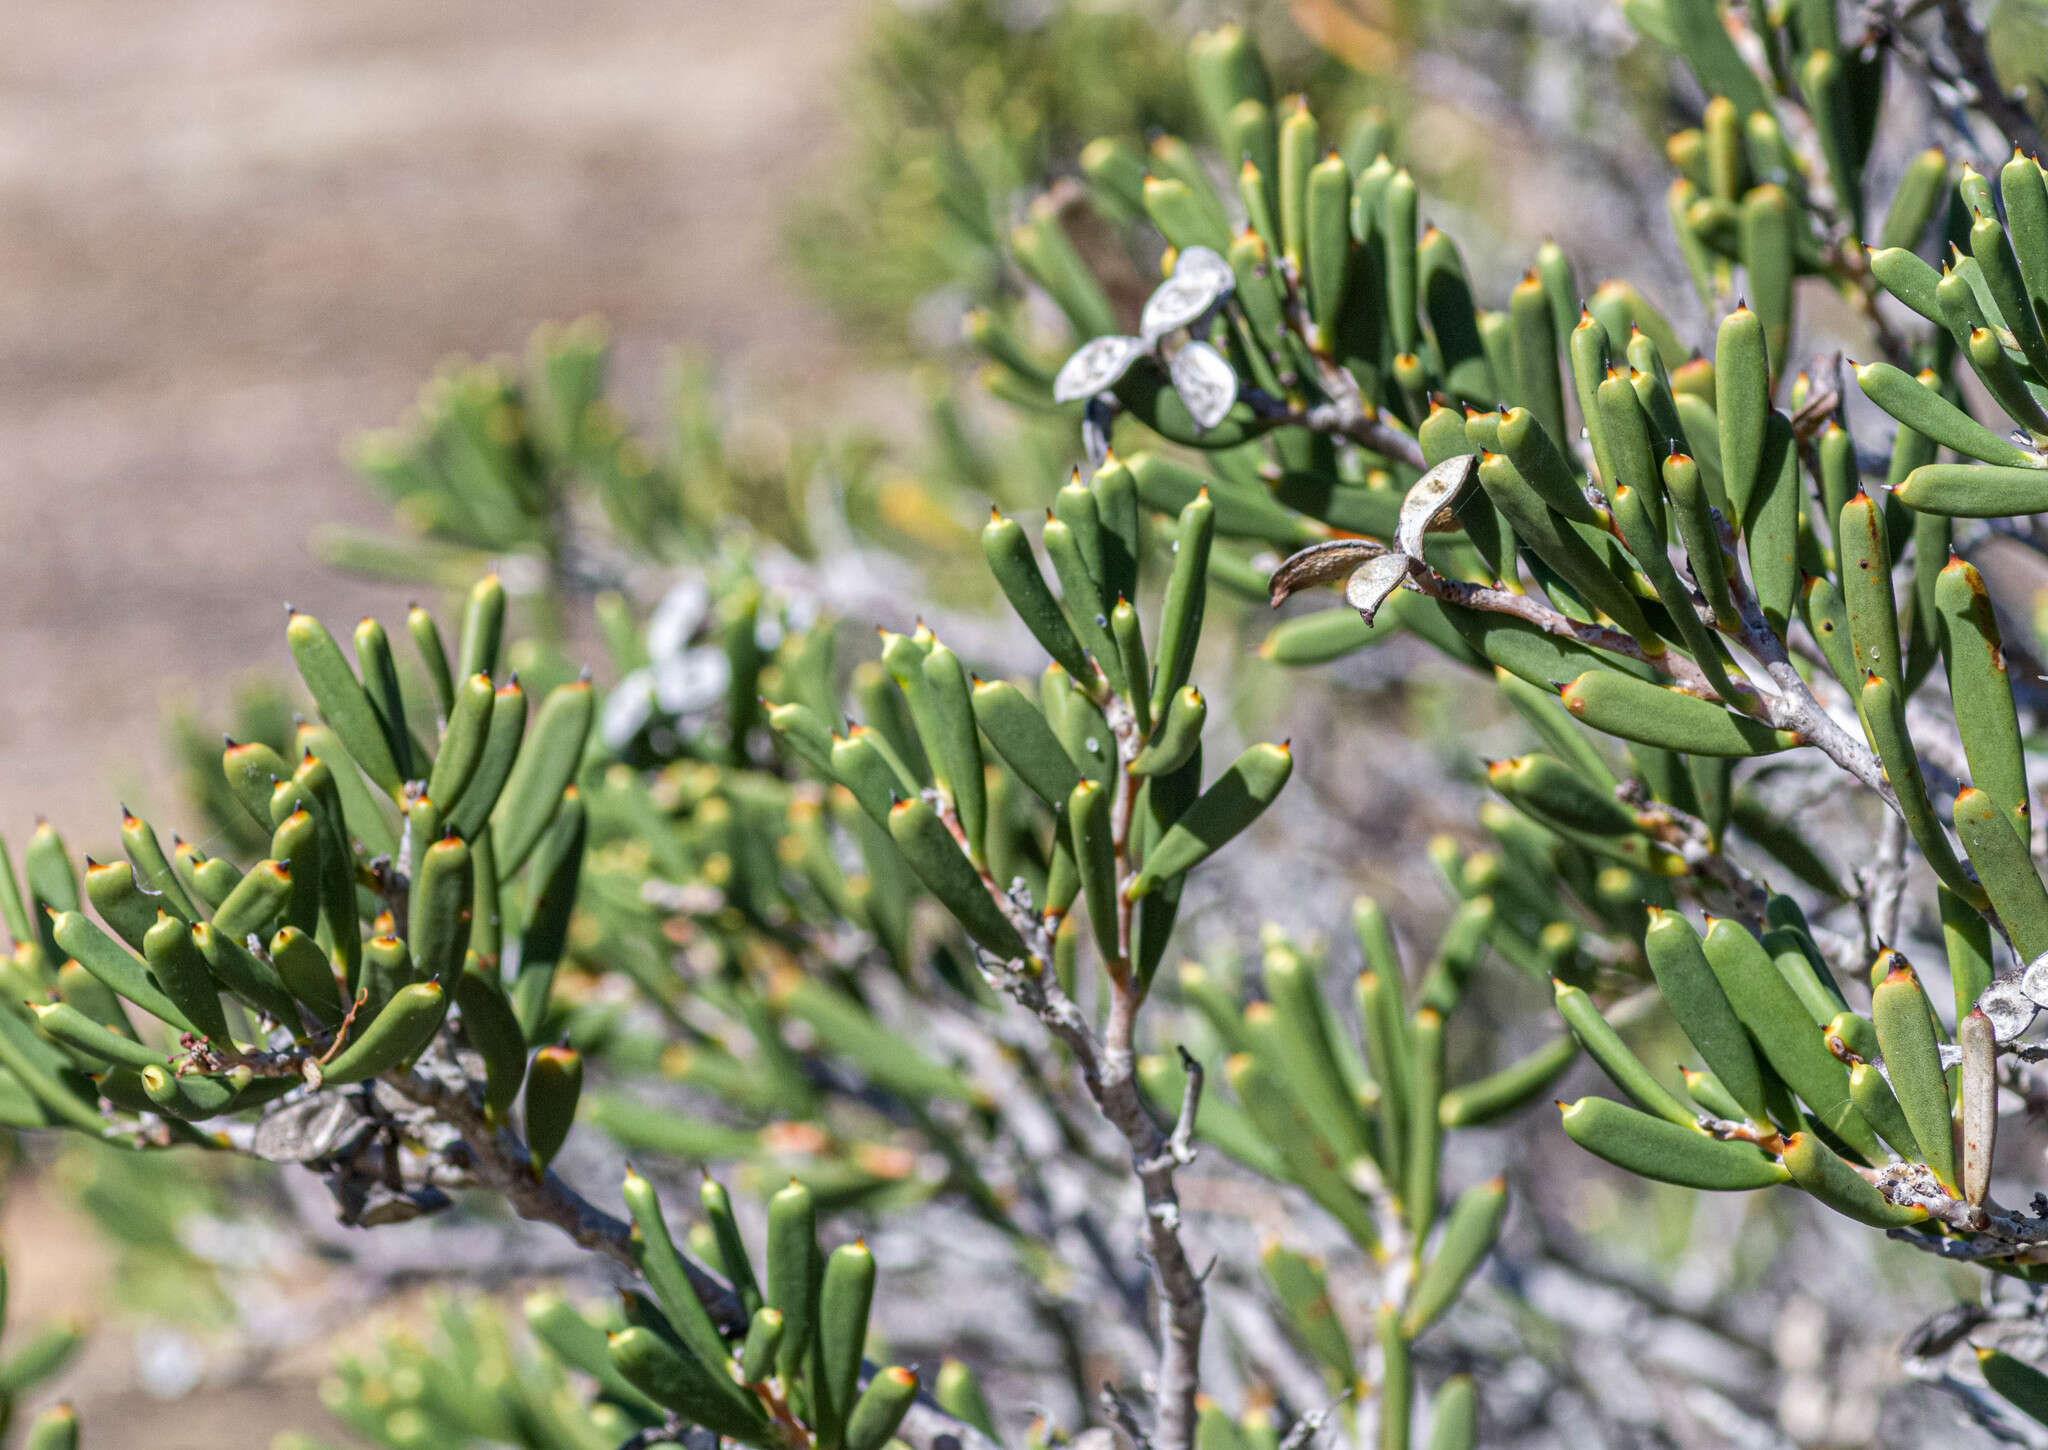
(1979, 1089)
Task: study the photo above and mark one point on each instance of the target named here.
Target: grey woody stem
(500, 1163)
(1108, 1067)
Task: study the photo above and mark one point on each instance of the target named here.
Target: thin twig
(1107, 1065)
(1347, 414)
(1966, 42)
(1553, 621)
(500, 1163)
(1687, 835)
(1793, 707)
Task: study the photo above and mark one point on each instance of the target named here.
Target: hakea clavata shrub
(1682, 551)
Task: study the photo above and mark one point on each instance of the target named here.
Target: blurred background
(234, 236)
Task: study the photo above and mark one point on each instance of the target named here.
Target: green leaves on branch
(338, 957)
(1355, 1123)
(1111, 749)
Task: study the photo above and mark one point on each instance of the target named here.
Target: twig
(1124, 1417)
(1793, 707)
(1966, 41)
(1108, 1068)
(1305, 1429)
(501, 1163)
(1884, 887)
(1937, 1336)
(1553, 621)
(1347, 414)
(1179, 1149)
(1687, 835)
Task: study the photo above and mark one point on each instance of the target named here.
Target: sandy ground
(233, 233)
